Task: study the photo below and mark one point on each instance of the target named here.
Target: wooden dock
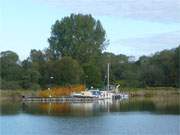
(69, 98)
(59, 99)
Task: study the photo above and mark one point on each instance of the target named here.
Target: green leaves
(67, 71)
(92, 76)
(75, 55)
(78, 36)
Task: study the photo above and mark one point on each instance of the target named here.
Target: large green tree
(79, 36)
(10, 71)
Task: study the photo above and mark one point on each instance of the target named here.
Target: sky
(133, 27)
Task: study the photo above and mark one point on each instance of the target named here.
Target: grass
(15, 94)
(133, 92)
(151, 91)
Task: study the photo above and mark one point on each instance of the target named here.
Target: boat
(92, 93)
(108, 93)
(95, 93)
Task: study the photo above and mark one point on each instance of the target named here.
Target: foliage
(162, 69)
(67, 71)
(79, 36)
(61, 91)
(10, 70)
(92, 75)
(75, 56)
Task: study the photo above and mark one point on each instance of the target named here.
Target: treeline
(75, 55)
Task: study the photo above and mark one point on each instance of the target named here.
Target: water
(160, 116)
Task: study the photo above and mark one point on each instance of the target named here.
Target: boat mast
(108, 77)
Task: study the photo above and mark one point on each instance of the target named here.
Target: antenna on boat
(108, 77)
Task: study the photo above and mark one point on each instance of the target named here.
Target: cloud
(150, 10)
(147, 45)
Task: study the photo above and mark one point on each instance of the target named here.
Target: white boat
(105, 94)
(94, 93)
(76, 94)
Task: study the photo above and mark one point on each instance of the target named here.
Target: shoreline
(151, 91)
(132, 92)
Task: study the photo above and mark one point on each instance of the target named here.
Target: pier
(70, 98)
(59, 99)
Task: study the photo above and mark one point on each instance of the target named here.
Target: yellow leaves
(61, 91)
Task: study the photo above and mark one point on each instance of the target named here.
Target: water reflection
(69, 109)
(155, 105)
(10, 107)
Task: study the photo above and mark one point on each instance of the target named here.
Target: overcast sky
(134, 27)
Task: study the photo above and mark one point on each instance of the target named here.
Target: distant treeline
(75, 55)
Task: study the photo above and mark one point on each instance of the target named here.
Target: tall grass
(15, 94)
(151, 91)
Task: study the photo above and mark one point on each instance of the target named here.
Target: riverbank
(16, 94)
(151, 91)
(133, 92)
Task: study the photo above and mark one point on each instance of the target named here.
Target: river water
(134, 116)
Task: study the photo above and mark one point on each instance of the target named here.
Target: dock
(69, 98)
(59, 99)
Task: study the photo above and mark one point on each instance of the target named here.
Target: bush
(11, 85)
(34, 86)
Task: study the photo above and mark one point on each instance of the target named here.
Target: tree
(151, 75)
(78, 36)
(37, 56)
(10, 56)
(30, 75)
(10, 70)
(118, 65)
(67, 71)
(176, 74)
(92, 75)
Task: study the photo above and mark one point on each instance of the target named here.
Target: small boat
(108, 93)
(77, 95)
(93, 93)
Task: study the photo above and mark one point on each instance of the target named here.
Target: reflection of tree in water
(98, 108)
(9, 108)
(72, 109)
(133, 105)
(169, 105)
(54, 108)
(160, 105)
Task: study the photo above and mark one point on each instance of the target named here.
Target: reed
(151, 91)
